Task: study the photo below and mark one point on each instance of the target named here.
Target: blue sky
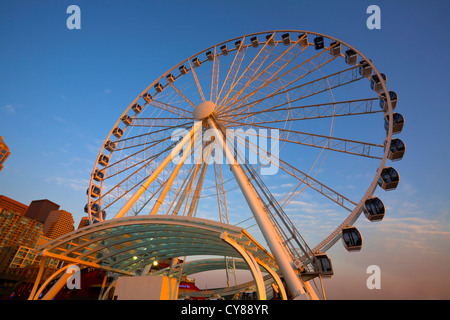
(62, 90)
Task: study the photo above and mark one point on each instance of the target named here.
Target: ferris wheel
(259, 130)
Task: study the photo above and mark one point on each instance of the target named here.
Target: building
(15, 231)
(4, 152)
(58, 223)
(83, 222)
(40, 209)
(9, 204)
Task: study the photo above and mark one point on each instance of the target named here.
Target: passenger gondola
(324, 264)
(397, 125)
(210, 55)
(375, 82)
(95, 191)
(351, 239)
(103, 160)
(158, 87)
(286, 39)
(389, 179)
(136, 107)
(147, 97)
(396, 149)
(303, 39)
(270, 40)
(98, 175)
(374, 209)
(254, 41)
(110, 146)
(335, 48)
(224, 49)
(170, 78)
(196, 62)
(365, 68)
(319, 43)
(95, 208)
(126, 119)
(183, 69)
(238, 44)
(383, 100)
(351, 56)
(117, 132)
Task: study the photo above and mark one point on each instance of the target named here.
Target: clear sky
(62, 90)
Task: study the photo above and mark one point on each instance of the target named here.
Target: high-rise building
(40, 209)
(58, 223)
(12, 205)
(15, 231)
(4, 152)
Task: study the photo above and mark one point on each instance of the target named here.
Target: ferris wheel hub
(203, 110)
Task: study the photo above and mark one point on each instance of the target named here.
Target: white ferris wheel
(309, 116)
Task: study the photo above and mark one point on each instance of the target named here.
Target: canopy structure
(127, 245)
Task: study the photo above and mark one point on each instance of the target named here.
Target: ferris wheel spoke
(359, 148)
(233, 71)
(142, 165)
(162, 122)
(252, 76)
(325, 110)
(292, 75)
(170, 108)
(302, 91)
(258, 61)
(182, 95)
(199, 88)
(215, 77)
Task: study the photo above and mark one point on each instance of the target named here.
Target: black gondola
(118, 132)
(103, 160)
(183, 69)
(95, 191)
(397, 125)
(98, 175)
(224, 49)
(254, 42)
(365, 68)
(210, 55)
(126, 120)
(196, 62)
(351, 56)
(170, 78)
(319, 43)
(383, 100)
(303, 39)
(239, 44)
(94, 208)
(286, 39)
(351, 239)
(147, 97)
(324, 265)
(158, 87)
(374, 209)
(136, 107)
(110, 146)
(270, 40)
(335, 48)
(375, 82)
(396, 149)
(388, 179)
